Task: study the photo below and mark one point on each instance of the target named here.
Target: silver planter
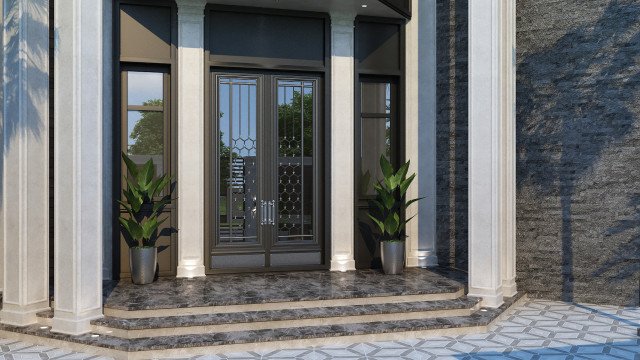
(392, 257)
(142, 262)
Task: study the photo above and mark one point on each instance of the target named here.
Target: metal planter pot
(392, 257)
(142, 262)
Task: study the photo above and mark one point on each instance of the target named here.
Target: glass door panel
(238, 160)
(295, 116)
(265, 200)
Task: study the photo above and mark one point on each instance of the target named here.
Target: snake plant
(387, 208)
(143, 204)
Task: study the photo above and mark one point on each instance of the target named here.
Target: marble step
(231, 341)
(260, 340)
(288, 318)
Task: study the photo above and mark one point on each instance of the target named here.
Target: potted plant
(387, 209)
(139, 225)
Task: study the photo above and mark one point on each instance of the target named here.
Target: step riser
(207, 329)
(260, 346)
(124, 314)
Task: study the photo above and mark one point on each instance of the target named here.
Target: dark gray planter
(142, 262)
(392, 257)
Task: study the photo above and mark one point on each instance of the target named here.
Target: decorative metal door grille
(238, 154)
(266, 205)
(295, 160)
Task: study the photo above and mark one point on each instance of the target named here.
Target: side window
(145, 118)
(377, 131)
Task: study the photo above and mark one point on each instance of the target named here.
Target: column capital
(342, 18)
(191, 8)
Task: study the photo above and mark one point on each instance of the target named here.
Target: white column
(420, 134)
(191, 138)
(491, 214)
(107, 139)
(78, 165)
(26, 160)
(342, 141)
(1, 142)
(508, 173)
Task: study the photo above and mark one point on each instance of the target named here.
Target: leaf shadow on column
(34, 55)
(563, 121)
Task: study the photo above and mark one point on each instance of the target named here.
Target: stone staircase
(272, 311)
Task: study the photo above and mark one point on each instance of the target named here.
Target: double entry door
(266, 201)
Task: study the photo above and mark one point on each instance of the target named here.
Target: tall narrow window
(145, 117)
(377, 131)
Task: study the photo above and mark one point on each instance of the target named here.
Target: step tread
(283, 315)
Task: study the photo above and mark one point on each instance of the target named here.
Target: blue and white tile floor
(535, 330)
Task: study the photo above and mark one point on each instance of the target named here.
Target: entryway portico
(83, 195)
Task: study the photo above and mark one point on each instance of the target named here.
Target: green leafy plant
(388, 206)
(143, 204)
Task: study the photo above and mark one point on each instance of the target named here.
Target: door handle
(267, 212)
(263, 212)
(272, 211)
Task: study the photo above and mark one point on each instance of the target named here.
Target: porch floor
(235, 312)
(245, 289)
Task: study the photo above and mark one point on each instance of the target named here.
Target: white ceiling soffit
(359, 7)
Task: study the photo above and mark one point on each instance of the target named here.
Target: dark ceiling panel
(403, 7)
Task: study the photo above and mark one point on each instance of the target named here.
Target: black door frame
(267, 82)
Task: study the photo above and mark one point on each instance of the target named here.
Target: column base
(16, 315)
(343, 265)
(66, 322)
(190, 271)
(509, 288)
(422, 259)
(491, 298)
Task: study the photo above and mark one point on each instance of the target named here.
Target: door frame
(267, 89)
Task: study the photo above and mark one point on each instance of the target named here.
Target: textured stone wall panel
(451, 125)
(578, 144)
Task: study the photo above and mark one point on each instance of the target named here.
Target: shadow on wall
(625, 263)
(36, 53)
(574, 100)
(452, 121)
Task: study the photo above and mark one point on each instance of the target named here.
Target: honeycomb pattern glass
(295, 118)
(238, 154)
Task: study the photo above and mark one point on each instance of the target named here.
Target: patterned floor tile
(535, 330)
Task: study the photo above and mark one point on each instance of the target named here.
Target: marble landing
(243, 289)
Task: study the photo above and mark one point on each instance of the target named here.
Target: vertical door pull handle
(263, 212)
(272, 210)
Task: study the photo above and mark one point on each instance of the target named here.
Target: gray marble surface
(239, 289)
(535, 330)
(283, 315)
(257, 336)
